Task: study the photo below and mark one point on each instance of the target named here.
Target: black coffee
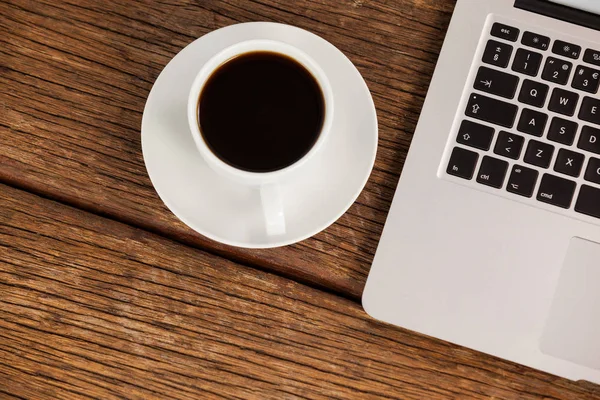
(261, 111)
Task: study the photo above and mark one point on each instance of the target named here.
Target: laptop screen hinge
(560, 12)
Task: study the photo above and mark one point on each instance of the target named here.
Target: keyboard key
(588, 202)
(566, 49)
(586, 79)
(539, 154)
(491, 110)
(556, 191)
(522, 181)
(527, 62)
(497, 53)
(592, 172)
(505, 32)
(462, 163)
(592, 56)
(475, 135)
(496, 82)
(590, 110)
(562, 131)
(569, 163)
(509, 145)
(563, 102)
(557, 71)
(534, 40)
(533, 93)
(589, 139)
(532, 122)
(492, 172)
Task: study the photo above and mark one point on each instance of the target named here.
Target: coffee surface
(261, 111)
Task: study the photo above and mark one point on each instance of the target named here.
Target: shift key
(491, 110)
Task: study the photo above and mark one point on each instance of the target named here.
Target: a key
(497, 53)
(539, 154)
(534, 40)
(475, 135)
(589, 139)
(496, 82)
(562, 131)
(557, 71)
(492, 172)
(491, 110)
(590, 110)
(522, 181)
(569, 163)
(556, 191)
(532, 122)
(588, 202)
(592, 172)
(565, 49)
(592, 56)
(505, 32)
(527, 62)
(509, 145)
(462, 163)
(533, 93)
(563, 102)
(586, 79)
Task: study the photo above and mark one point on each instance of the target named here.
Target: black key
(588, 202)
(563, 102)
(492, 172)
(496, 82)
(462, 163)
(586, 79)
(590, 110)
(509, 145)
(534, 40)
(497, 53)
(569, 163)
(557, 71)
(592, 172)
(566, 49)
(589, 139)
(522, 181)
(532, 122)
(527, 62)
(562, 131)
(539, 154)
(556, 191)
(475, 135)
(592, 56)
(491, 110)
(505, 32)
(533, 93)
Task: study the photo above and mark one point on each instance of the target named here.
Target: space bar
(491, 110)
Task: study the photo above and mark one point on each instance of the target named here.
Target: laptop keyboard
(531, 125)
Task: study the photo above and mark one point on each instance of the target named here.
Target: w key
(496, 82)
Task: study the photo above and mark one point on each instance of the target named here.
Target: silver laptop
(493, 238)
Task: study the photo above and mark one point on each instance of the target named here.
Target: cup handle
(272, 205)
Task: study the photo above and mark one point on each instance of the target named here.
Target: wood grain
(95, 309)
(75, 75)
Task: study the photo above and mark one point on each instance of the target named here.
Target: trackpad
(572, 330)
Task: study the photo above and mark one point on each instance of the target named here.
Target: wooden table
(104, 294)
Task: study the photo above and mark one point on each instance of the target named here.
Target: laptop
(493, 238)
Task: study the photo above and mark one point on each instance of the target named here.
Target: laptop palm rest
(572, 331)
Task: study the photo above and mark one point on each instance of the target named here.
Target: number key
(586, 79)
(557, 71)
(539, 154)
(497, 53)
(527, 62)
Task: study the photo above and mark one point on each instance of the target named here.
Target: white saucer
(231, 213)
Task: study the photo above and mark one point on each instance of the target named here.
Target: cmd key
(491, 110)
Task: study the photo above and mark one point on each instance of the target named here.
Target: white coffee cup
(268, 183)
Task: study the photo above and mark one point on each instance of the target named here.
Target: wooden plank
(75, 75)
(95, 309)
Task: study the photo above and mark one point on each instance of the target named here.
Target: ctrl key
(462, 163)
